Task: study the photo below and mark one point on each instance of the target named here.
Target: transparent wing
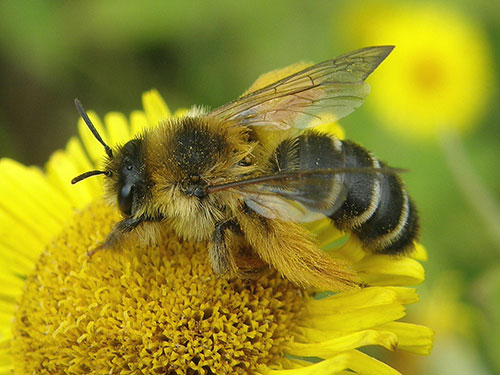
(306, 203)
(299, 195)
(276, 207)
(326, 91)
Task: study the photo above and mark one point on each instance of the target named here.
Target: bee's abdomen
(393, 225)
(377, 207)
(373, 206)
(362, 189)
(403, 241)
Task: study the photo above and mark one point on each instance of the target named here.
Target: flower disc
(147, 309)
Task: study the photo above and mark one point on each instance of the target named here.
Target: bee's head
(129, 179)
(125, 169)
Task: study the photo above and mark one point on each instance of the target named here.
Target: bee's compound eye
(125, 196)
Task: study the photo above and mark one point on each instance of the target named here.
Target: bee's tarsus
(363, 285)
(91, 253)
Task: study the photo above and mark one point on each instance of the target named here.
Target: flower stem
(470, 183)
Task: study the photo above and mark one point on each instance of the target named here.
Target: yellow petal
(406, 296)
(275, 75)
(412, 337)
(60, 171)
(420, 253)
(319, 226)
(14, 262)
(92, 145)
(389, 270)
(155, 107)
(118, 129)
(26, 211)
(180, 112)
(76, 154)
(7, 309)
(327, 348)
(5, 357)
(138, 123)
(354, 360)
(29, 183)
(356, 319)
(354, 300)
(332, 128)
(326, 234)
(11, 286)
(5, 323)
(352, 250)
(20, 238)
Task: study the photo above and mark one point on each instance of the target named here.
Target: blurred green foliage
(107, 53)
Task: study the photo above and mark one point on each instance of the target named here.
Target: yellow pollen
(155, 309)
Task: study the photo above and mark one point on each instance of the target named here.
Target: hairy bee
(244, 175)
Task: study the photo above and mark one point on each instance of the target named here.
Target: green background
(107, 53)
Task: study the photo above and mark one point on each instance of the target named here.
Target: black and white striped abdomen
(373, 206)
(377, 207)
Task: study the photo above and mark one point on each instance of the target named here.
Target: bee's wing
(278, 206)
(308, 199)
(299, 195)
(327, 91)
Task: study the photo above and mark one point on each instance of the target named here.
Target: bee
(244, 176)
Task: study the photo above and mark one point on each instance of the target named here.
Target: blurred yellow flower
(160, 308)
(455, 323)
(439, 76)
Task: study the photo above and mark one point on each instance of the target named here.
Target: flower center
(428, 74)
(148, 309)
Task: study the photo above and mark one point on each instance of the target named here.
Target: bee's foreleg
(117, 234)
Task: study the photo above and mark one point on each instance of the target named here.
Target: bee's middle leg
(231, 255)
(219, 252)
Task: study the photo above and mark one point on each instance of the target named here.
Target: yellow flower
(456, 325)
(439, 76)
(160, 308)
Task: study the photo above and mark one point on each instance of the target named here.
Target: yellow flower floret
(155, 307)
(160, 308)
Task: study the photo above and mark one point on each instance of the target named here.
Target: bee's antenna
(92, 128)
(85, 175)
